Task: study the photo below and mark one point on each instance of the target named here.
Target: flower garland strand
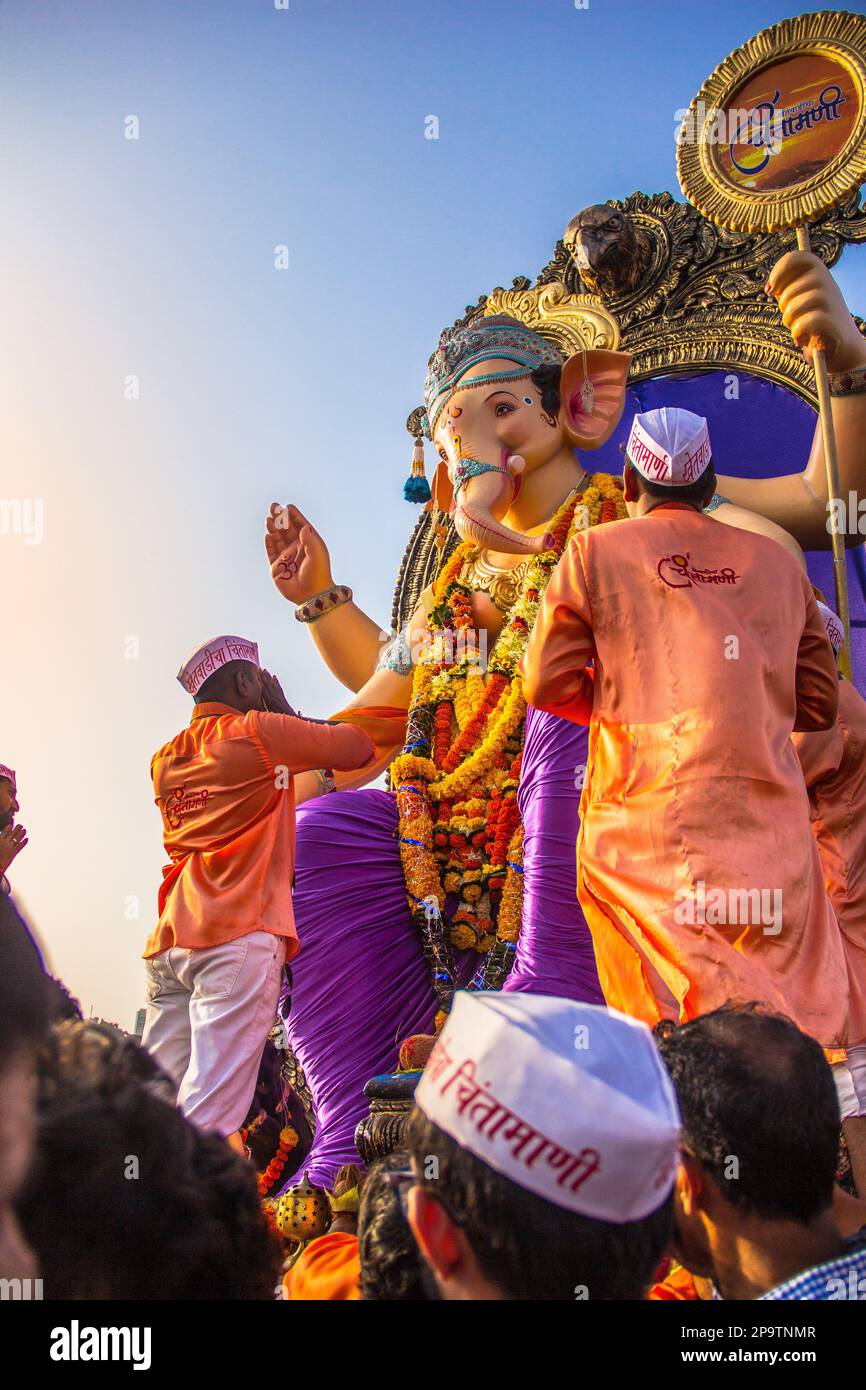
(271, 1175)
(461, 837)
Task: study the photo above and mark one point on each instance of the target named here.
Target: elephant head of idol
(503, 405)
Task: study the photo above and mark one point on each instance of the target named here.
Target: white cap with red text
(210, 656)
(835, 631)
(570, 1101)
(8, 774)
(669, 446)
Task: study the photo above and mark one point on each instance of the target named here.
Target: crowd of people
(556, 1149)
(594, 1161)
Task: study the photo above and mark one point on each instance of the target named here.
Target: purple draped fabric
(554, 952)
(359, 982)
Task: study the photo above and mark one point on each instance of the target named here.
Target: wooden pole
(831, 463)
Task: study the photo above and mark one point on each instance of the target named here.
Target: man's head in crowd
(8, 797)
(13, 838)
(668, 460)
(239, 684)
(25, 1010)
(63, 1004)
(759, 1150)
(391, 1266)
(225, 670)
(544, 1144)
(162, 1210)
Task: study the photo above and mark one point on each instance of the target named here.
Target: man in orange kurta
(693, 650)
(328, 1270)
(225, 789)
(834, 766)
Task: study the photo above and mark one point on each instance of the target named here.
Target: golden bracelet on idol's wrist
(848, 383)
(325, 602)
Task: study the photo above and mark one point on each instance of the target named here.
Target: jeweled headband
(462, 348)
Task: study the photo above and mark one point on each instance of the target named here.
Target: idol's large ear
(441, 491)
(607, 371)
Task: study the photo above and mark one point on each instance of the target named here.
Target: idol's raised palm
(298, 557)
(814, 310)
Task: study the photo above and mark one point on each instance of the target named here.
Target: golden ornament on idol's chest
(502, 585)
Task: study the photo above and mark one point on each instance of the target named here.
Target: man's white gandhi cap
(835, 631)
(571, 1101)
(8, 773)
(669, 446)
(210, 656)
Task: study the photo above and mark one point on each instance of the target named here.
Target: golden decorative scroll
(575, 322)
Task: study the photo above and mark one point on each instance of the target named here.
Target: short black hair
(754, 1089)
(528, 1247)
(391, 1264)
(65, 1005)
(90, 1054)
(685, 492)
(220, 681)
(26, 993)
(184, 1221)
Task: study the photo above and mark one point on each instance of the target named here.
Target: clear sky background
(154, 257)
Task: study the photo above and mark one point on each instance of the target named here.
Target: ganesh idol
(462, 874)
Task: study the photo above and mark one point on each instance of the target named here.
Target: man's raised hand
(13, 838)
(275, 700)
(298, 557)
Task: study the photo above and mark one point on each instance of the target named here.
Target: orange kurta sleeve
(820, 753)
(302, 745)
(385, 725)
(554, 666)
(817, 680)
(328, 1270)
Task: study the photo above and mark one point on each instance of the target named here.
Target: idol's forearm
(849, 422)
(350, 644)
(798, 501)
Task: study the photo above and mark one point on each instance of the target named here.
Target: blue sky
(155, 258)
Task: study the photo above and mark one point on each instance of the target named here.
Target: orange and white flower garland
(461, 837)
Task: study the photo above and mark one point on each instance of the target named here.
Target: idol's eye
(503, 408)
(527, 400)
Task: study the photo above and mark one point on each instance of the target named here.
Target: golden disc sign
(777, 135)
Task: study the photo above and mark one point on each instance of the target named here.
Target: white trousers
(209, 1011)
(850, 1078)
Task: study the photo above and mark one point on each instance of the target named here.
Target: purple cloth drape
(554, 951)
(359, 982)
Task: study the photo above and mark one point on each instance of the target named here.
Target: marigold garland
(461, 837)
(271, 1175)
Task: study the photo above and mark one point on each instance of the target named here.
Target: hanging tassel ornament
(416, 487)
